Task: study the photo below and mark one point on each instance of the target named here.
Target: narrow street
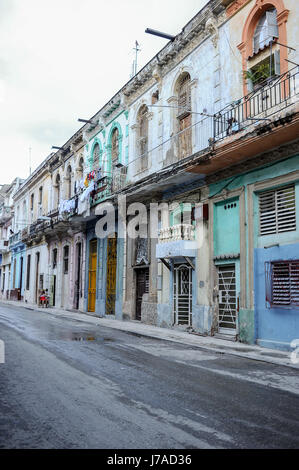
(67, 384)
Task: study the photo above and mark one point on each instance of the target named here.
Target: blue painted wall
(274, 327)
(17, 252)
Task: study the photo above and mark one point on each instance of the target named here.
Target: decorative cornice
(175, 51)
(236, 6)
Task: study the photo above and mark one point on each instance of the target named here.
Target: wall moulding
(235, 7)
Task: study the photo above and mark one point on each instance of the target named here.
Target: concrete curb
(205, 343)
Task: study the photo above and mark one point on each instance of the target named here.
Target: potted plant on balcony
(257, 76)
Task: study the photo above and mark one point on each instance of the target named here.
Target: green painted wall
(226, 227)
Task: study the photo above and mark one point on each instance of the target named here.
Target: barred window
(282, 283)
(277, 211)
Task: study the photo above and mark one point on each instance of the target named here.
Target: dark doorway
(142, 287)
(78, 277)
(54, 290)
(21, 276)
(36, 279)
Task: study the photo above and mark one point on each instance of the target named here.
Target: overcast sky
(64, 59)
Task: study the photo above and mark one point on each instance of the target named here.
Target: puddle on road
(80, 337)
(77, 336)
(87, 337)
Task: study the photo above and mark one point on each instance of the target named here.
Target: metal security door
(142, 287)
(111, 275)
(182, 295)
(92, 275)
(227, 314)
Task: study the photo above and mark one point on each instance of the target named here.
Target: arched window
(81, 165)
(184, 116)
(25, 214)
(266, 30)
(69, 182)
(143, 137)
(96, 156)
(57, 190)
(115, 145)
(184, 94)
(266, 22)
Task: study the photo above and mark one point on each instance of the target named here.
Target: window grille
(277, 211)
(282, 283)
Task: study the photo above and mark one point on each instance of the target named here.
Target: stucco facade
(208, 132)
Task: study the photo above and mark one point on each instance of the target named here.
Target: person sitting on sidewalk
(43, 299)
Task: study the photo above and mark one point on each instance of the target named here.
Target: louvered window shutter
(277, 211)
(271, 21)
(285, 283)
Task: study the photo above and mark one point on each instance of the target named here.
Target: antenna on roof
(135, 62)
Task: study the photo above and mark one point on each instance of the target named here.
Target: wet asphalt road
(68, 384)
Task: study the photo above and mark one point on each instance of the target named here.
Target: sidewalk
(221, 346)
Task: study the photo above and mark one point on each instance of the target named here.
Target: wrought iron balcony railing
(274, 95)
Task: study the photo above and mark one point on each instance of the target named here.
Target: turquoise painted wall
(269, 171)
(251, 327)
(226, 227)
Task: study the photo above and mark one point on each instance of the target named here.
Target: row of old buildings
(207, 133)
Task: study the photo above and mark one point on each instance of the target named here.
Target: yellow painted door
(92, 275)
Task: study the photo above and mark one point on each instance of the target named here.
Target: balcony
(274, 95)
(119, 178)
(4, 246)
(102, 190)
(177, 241)
(5, 214)
(14, 239)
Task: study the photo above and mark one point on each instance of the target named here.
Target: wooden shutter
(277, 62)
(271, 22)
(277, 211)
